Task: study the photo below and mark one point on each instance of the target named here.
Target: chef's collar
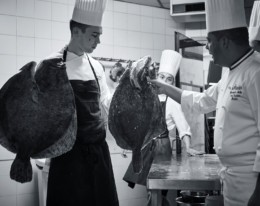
(241, 59)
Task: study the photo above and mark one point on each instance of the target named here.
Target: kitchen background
(32, 29)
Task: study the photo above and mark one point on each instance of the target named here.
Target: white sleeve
(201, 103)
(253, 92)
(176, 115)
(106, 96)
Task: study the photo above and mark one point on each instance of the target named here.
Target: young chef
(169, 65)
(84, 175)
(236, 99)
(254, 27)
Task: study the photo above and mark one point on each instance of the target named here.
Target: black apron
(84, 175)
(157, 146)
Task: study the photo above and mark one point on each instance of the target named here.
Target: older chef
(254, 27)
(169, 65)
(84, 175)
(236, 99)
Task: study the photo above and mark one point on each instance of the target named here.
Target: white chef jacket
(175, 117)
(236, 98)
(78, 68)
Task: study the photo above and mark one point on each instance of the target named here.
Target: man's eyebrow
(96, 32)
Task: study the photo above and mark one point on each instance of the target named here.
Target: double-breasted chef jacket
(236, 99)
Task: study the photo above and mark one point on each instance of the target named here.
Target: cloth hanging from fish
(37, 115)
(135, 113)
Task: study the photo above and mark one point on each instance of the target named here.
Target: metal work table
(183, 173)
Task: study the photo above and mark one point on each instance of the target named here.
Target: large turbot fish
(37, 115)
(135, 114)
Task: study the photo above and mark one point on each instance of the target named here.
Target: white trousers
(238, 184)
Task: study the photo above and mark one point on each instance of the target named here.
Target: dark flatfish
(135, 114)
(37, 115)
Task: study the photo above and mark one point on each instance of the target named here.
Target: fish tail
(21, 169)
(137, 161)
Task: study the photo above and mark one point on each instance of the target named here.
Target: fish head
(139, 71)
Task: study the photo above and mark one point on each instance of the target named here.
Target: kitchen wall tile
(121, 52)
(170, 27)
(8, 65)
(8, 44)
(25, 46)
(169, 42)
(158, 41)
(147, 41)
(108, 20)
(8, 200)
(158, 13)
(27, 200)
(57, 45)
(146, 11)
(8, 7)
(159, 26)
(120, 20)
(146, 24)
(70, 12)
(5, 167)
(120, 7)
(103, 50)
(60, 1)
(28, 187)
(22, 60)
(145, 52)
(133, 9)
(71, 2)
(108, 36)
(25, 27)
(60, 31)
(59, 12)
(42, 28)
(133, 53)
(157, 55)
(8, 25)
(133, 22)
(110, 5)
(133, 39)
(9, 186)
(167, 14)
(120, 38)
(42, 10)
(25, 8)
(42, 47)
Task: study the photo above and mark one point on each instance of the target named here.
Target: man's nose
(207, 46)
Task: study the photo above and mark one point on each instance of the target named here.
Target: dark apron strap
(64, 56)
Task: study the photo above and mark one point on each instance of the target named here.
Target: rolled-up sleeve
(200, 103)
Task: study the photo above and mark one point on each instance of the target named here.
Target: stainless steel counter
(183, 173)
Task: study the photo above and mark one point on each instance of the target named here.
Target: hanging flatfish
(37, 115)
(135, 114)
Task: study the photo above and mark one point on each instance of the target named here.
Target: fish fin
(137, 161)
(21, 169)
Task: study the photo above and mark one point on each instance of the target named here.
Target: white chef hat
(170, 62)
(254, 25)
(225, 14)
(89, 12)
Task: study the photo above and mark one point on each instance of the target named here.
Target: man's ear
(76, 32)
(225, 42)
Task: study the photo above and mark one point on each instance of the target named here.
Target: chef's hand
(159, 85)
(193, 152)
(255, 198)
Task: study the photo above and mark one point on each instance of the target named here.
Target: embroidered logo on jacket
(235, 92)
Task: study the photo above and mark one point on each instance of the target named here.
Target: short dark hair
(238, 35)
(74, 24)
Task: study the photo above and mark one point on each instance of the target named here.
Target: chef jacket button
(220, 127)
